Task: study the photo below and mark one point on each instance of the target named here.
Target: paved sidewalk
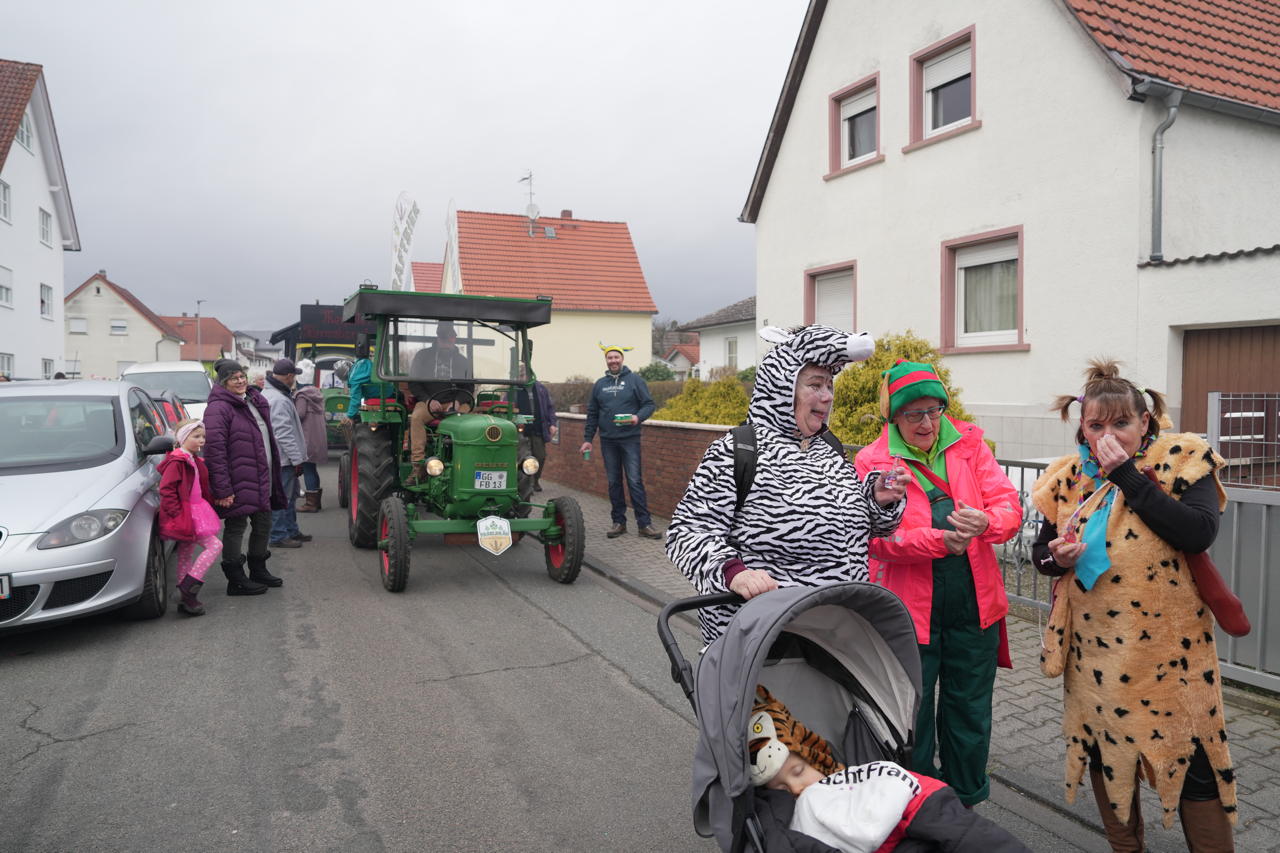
(1026, 745)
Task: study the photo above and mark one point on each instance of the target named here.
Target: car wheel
(155, 585)
(564, 556)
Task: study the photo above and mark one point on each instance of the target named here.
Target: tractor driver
(433, 383)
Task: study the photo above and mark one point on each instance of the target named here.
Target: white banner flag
(402, 222)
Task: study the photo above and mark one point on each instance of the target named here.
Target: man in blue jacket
(620, 402)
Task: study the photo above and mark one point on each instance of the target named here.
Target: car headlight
(530, 466)
(85, 527)
(435, 467)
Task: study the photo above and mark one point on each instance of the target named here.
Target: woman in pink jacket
(941, 561)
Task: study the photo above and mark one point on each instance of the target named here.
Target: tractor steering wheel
(459, 396)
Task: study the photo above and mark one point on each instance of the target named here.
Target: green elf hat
(907, 381)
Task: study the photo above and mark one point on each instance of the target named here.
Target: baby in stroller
(878, 806)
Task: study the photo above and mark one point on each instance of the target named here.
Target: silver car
(78, 502)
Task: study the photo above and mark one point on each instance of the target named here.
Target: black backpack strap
(744, 462)
(830, 438)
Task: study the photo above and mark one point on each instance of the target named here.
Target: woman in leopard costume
(1129, 632)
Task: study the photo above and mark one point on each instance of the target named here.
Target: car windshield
(192, 386)
(56, 430)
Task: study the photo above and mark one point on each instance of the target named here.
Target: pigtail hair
(1159, 409)
(1062, 405)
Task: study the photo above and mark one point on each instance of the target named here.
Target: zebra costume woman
(807, 517)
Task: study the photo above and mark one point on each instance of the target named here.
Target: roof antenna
(531, 210)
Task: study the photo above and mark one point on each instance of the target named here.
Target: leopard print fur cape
(1137, 652)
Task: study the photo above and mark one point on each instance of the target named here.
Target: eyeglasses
(915, 416)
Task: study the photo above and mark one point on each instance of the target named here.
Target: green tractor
(475, 481)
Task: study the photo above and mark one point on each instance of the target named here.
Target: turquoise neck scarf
(1094, 562)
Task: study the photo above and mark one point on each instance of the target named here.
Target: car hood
(33, 503)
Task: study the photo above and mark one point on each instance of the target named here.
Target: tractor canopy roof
(370, 304)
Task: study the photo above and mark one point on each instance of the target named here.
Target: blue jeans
(284, 522)
(619, 457)
(311, 476)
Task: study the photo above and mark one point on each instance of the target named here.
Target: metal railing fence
(1245, 428)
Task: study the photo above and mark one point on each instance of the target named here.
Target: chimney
(566, 214)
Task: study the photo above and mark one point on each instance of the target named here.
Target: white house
(37, 225)
(1031, 184)
(108, 329)
(727, 338)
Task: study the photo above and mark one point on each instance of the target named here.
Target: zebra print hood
(773, 400)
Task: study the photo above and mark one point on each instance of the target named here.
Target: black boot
(237, 583)
(258, 571)
(189, 604)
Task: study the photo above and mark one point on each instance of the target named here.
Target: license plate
(4, 587)
(491, 479)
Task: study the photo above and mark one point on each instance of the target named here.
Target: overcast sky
(250, 153)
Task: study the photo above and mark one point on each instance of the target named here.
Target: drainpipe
(1171, 101)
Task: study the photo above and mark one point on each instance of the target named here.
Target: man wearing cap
(287, 427)
(620, 402)
(433, 382)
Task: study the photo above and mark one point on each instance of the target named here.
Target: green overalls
(960, 659)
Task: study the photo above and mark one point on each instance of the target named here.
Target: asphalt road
(486, 708)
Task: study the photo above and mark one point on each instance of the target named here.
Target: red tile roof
(427, 277)
(1224, 48)
(153, 318)
(585, 266)
(689, 351)
(17, 82)
(212, 339)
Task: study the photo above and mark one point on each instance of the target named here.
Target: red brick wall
(670, 453)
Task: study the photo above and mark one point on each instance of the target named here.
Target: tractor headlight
(435, 467)
(530, 466)
(85, 527)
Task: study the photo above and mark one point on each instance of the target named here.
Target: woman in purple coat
(240, 452)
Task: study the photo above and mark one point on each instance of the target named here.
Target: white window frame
(6, 203)
(866, 100)
(46, 301)
(6, 287)
(982, 254)
(938, 71)
(77, 325)
(6, 364)
(118, 327)
(731, 352)
(46, 367)
(46, 227)
(25, 131)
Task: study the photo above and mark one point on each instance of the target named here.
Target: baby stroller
(843, 658)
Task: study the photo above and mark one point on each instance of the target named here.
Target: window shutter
(859, 103)
(947, 66)
(833, 300)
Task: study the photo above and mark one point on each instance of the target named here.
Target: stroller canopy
(848, 667)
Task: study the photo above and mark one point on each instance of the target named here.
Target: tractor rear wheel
(564, 556)
(374, 475)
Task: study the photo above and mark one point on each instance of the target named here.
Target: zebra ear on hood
(775, 334)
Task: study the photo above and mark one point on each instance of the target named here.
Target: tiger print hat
(773, 400)
(772, 732)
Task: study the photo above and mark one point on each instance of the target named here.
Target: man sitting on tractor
(432, 382)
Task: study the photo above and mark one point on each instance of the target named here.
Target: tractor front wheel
(564, 555)
(395, 543)
(344, 480)
(374, 475)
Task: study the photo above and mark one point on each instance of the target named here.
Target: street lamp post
(199, 337)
